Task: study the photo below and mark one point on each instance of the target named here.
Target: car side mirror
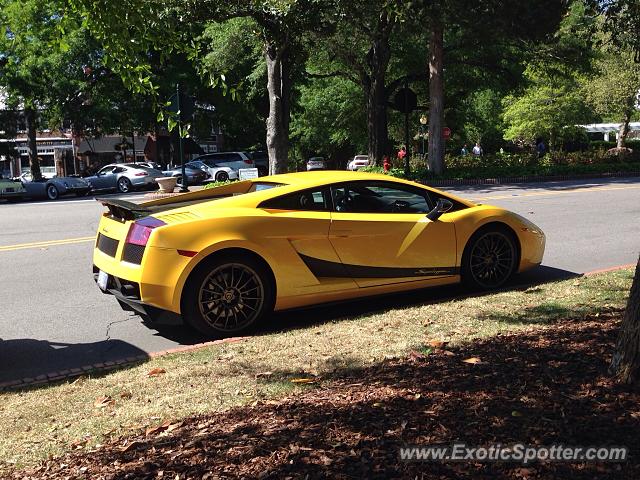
(442, 206)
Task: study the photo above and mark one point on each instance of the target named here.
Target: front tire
(124, 185)
(490, 258)
(227, 296)
(222, 177)
(52, 192)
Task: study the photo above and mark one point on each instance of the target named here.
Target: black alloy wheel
(227, 297)
(489, 259)
(222, 176)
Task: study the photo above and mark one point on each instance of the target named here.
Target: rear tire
(52, 192)
(227, 296)
(490, 258)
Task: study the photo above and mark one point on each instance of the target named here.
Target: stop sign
(446, 133)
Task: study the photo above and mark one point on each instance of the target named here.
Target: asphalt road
(53, 317)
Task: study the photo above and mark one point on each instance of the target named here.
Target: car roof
(235, 195)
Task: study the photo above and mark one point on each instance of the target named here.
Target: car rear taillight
(249, 161)
(140, 230)
(141, 174)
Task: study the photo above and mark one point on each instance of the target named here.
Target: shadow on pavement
(35, 360)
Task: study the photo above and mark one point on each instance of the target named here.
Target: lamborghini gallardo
(224, 258)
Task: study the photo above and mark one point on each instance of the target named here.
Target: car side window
(307, 200)
(379, 197)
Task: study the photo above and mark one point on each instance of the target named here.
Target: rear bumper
(128, 295)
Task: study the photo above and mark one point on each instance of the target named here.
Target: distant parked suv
(233, 160)
(261, 160)
(358, 162)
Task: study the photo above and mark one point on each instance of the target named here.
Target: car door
(104, 178)
(298, 229)
(382, 235)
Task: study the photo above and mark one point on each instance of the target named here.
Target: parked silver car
(124, 177)
(53, 188)
(216, 172)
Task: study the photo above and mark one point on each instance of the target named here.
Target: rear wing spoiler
(123, 210)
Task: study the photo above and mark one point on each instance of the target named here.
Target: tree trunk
(377, 131)
(436, 99)
(32, 145)
(625, 364)
(624, 129)
(279, 90)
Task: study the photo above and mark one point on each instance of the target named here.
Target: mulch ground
(540, 387)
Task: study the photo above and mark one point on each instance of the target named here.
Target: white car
(316, 163)
(233, 160)
(217, 173)
(358, 162)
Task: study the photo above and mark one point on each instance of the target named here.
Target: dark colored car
(53, 188)
(195, 176)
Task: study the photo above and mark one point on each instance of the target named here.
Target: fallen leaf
(162, 428)
(155, 372)
(437, 343)
(473, 360)
(263, 374)
(104, 402)
(131, 446)
(126, 395)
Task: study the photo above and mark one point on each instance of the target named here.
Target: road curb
(103, 367)
(610, 269)
(524, 179)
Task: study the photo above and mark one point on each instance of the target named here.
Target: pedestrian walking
(477, 150)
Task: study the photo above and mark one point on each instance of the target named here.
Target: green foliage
(613, 91)
(216, 184)
(545, 109)
(330, 119)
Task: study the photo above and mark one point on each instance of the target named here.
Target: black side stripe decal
(325, 268)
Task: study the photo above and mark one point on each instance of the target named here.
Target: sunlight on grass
(80, 414)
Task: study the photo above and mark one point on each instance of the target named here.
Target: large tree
(625, 363)
(37, 64)
(160, 26)
(623, 22)
(480, 33)
(614, 91)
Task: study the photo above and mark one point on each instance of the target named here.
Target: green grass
(45, 421)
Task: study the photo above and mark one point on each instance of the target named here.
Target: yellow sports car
(225, 257)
